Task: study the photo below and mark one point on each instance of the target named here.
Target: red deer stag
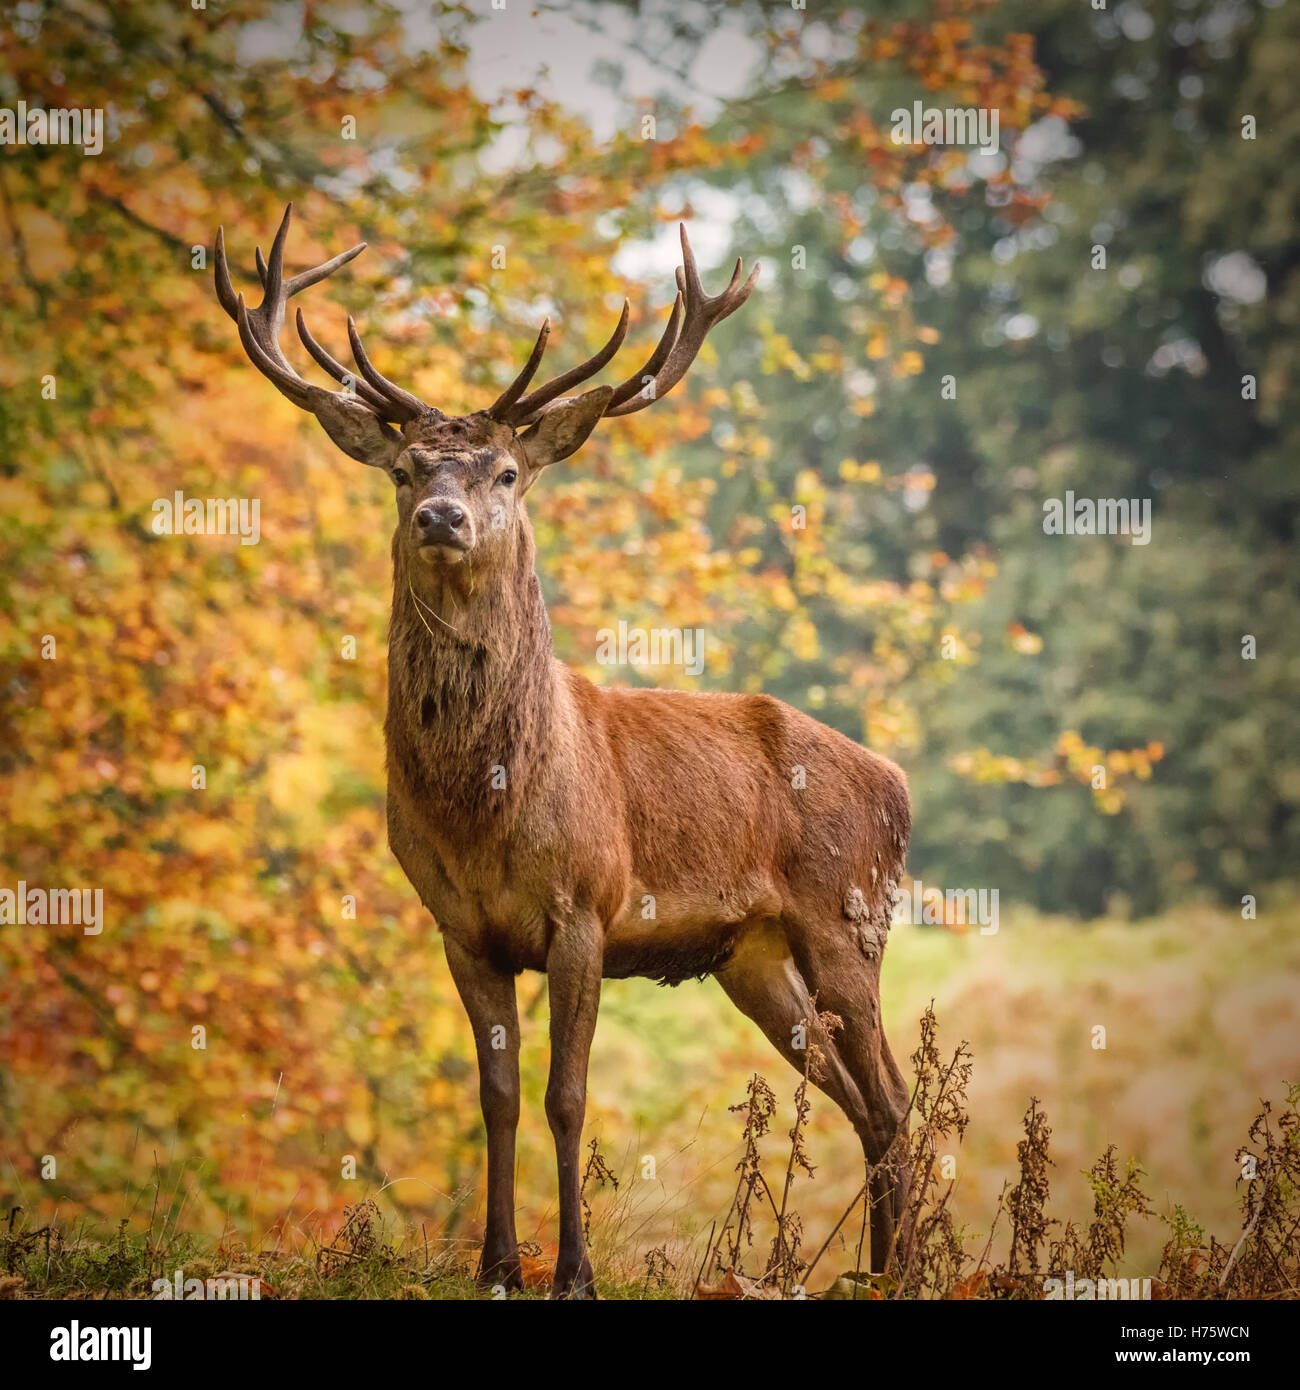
(536, 813)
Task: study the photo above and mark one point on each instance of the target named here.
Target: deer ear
(356, 430)
(564, 428)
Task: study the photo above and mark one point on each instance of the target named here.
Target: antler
(693, 315)
(259, 331)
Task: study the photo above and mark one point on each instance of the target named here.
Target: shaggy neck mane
(469, 689)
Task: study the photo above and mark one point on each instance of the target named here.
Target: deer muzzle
(443, 528)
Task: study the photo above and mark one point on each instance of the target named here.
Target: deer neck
(470, 689)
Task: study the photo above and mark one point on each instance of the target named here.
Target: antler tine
(259, 328)
(254, 326)
(503, 407)
(273, 276)
(306, 278)
(225, 290)
(693, 314)
(401, 404)
(636, 383)
(337, 370)
(700, 314)
(531, 405)
(273, 367)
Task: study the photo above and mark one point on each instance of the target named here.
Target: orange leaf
(733, 1286)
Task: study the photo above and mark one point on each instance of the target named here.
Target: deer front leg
(489, 998)
(573, 970)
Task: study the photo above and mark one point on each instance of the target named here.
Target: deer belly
(676, 934)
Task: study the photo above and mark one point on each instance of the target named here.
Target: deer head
(460, 479)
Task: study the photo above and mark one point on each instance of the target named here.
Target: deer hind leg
(843, 970)
(765, 981)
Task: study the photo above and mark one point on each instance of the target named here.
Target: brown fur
(610, 798)
(549, 824)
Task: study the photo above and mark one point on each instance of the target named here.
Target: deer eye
(507, 477)
(401, 477)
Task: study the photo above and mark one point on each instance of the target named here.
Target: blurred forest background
(922, 609)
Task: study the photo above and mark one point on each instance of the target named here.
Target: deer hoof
(581, 1285)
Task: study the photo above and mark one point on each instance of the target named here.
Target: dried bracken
(1264, 1259)
(358, 1240)
(783, 1263)
(1027, 1202)
(599, 1170)
(930, 1258)
(658, 1267)
(1117, 1194)
(759, 1106)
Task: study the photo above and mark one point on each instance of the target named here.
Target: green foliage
(1123, 382)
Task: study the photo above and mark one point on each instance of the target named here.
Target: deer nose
(438, 522)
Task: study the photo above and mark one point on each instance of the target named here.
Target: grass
(359, 1264)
